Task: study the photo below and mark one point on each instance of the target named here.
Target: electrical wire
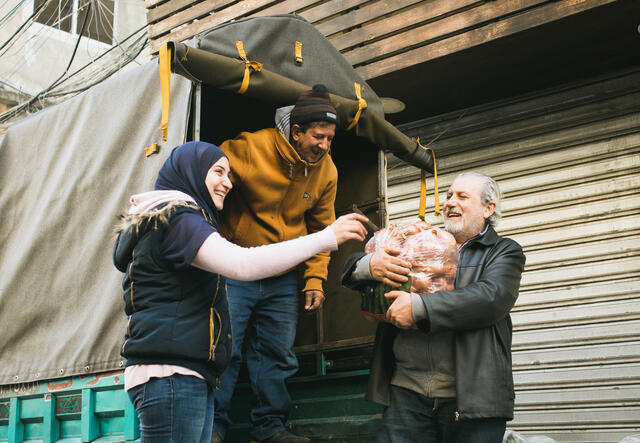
(23, 25)
(15, 38)
(73, 55)
(83, 83)
(99, 80)
(8, 15)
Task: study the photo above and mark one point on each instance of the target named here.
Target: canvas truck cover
(293, 56)
(65, 174)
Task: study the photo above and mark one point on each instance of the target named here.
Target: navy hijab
(186, 169)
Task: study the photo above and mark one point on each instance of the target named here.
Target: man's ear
(489, 209)
(296, 129)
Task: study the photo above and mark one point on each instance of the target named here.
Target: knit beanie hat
(314, 105)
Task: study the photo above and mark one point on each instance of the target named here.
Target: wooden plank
(328, 9)
(285, 7)
(199, 10)
(339, 344)
(429, 11)
(457, 24)
(365, 14)
(491, 31)
(205, 21)
(151, 3)
(167, 9)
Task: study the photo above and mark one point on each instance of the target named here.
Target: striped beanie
(313, 105)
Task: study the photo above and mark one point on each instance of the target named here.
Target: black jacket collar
(488, 238)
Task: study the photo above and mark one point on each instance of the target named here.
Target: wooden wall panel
(376, 36)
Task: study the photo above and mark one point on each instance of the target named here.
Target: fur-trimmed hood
(132, 227)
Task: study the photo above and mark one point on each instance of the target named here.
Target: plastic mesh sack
(433, 255)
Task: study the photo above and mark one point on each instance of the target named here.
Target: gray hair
(490, 192)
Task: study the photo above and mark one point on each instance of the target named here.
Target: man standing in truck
(284, 186)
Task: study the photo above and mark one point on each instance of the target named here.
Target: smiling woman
(218, 182)
(178, 339)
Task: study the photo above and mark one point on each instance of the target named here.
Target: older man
(442, 363)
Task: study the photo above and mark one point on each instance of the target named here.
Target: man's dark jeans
(412, 417)
(266, 311)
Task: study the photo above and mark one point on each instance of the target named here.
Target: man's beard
(454, 226)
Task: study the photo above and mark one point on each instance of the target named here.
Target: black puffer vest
(175, 317)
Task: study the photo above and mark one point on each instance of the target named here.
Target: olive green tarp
(270, 40)
(65, 174)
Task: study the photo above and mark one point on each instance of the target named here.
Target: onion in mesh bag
(433, 255)
(390, 237)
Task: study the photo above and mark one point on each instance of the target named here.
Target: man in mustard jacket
(284, 186)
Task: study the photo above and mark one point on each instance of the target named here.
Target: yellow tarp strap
(423, 187)
(362, 104)
(297, 56)
(150, 150)
(165, 87)
(248, 66)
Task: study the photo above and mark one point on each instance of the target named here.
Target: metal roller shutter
(568, 164)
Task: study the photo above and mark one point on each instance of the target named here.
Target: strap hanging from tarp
(248, 66)
(150, 150)
(423, 187)
(362, 104)
(297, 55)
(165, 87)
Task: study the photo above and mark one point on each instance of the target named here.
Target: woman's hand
(349, 227)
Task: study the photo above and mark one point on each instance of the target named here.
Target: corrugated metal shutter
(568, 164)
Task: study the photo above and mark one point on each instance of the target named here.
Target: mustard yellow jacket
(278, 196)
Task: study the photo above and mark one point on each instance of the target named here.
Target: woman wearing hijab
(178, 338)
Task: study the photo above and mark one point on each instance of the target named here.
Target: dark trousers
(266, 312)
(412, 417)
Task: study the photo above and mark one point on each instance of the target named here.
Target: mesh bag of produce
(433, 255)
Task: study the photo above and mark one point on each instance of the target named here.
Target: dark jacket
(175, 317)
(486, 288)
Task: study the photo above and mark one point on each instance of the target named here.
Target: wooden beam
(166, 9)
(491, 31)
(328, 9)
(454, 24)
(344, 343)
(237, 10)
(151, 3)
(409, 18)
(286, 7)
(205, 9)
(366, 13)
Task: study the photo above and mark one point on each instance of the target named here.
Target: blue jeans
(266, 311)
(176, 409)
(414, 418)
